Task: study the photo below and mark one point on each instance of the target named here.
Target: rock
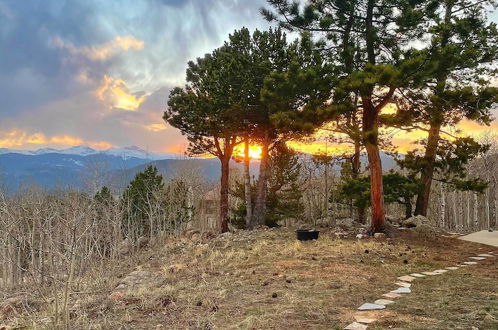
(417, 221)
(425, 231)
(362, 231)
(402, 290)
(138, 279)
(371, 307)
(403, 284)
(417, 275)
(431, 273)
(142, 242)
(125, 247)
(380, 236)
(440, 271)
(360, 236)
(365, 320)
(477, 258)
(452, 268)
(391, 295)
(383, 302)
(485, 255)
(356, 326)
(406, 278)
(470, 263)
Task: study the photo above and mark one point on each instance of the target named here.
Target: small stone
(382, 302)
(477, 258)
(402, 290)
(431, 273)
(391, 295)
(451, 268)
(485, 255)
(370, 307)
(356, 326)
(380, 236)
(470, 263)
(403, 284)
(417, 275)
(406, 278)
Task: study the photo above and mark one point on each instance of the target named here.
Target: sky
(98, 73)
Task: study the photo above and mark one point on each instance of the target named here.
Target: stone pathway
(404, 287)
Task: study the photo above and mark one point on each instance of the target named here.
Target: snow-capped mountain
(125, 153)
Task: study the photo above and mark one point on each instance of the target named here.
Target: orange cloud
(101, 52)
(113, 93)
(156, 127)
(19, 138)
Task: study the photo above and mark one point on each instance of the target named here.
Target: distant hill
(77, 167)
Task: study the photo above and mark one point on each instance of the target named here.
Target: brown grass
(268, 280)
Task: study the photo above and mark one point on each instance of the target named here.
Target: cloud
(102, 52)
(114, 94)
(156, 127)
(20, 138)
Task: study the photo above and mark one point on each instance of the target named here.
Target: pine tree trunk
(259, 213)
(371, 140)
(427, 172)
(356, 169)
(225, 173)
(247, 183)
(443, 207)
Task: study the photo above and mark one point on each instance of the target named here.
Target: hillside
(267, 280)
(76, 167)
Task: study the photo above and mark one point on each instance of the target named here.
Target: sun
(254, 151)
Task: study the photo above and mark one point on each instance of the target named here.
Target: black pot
(307, 234)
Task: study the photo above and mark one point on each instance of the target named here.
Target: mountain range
(81, 168)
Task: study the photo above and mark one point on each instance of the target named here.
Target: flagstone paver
(403, 284)
(382, 302)
(417, 275)
(356, 326)
(406, 278)
(470, 263)
(404, 287)
(364, 320)
(370, 307)
(402, 290)
(440, 271)
(391, 295)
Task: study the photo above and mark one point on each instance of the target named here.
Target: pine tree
(460, 55)
(139, 200)
(398, 188)
(369, 43)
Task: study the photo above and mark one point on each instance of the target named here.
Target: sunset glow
(254, 151)
(102, 76)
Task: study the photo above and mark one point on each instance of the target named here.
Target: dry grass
(268, 280)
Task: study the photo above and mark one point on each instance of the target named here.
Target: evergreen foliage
(140, 197)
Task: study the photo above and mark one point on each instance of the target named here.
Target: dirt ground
(269, 280)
